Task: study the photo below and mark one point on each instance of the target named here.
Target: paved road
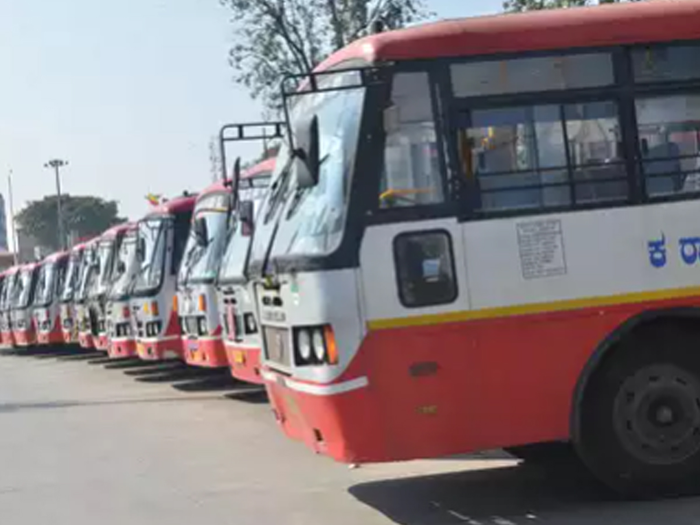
(81, 444)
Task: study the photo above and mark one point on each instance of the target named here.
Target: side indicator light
(331, 346)
(154, 308)
(202, 303)
(175, 304)
(428, 410)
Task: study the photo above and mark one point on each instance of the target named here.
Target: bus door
(413, 274)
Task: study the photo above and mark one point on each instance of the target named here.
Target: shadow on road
(513, 496)
(252, 395)
(213, 382)
(181, 373)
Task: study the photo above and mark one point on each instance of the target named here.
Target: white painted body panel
(320, 298)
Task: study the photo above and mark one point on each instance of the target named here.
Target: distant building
(4, 246)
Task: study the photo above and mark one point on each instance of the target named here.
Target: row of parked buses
(120, 292)
(476, 234)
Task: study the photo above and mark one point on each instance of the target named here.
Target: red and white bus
(69, 293)
(196, 295)
(47, 315)
(122, 339)
(162, 238)
(486, 239)
(22, 319)
(8, 283)
(107, 249)
(235, 297)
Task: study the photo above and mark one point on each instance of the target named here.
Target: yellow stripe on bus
(534, 308)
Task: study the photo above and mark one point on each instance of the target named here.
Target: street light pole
(57, 164)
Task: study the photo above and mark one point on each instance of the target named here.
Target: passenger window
(594, 143)
(551, 73)
(669, 133)
(425, 268)
(540, 156)
(666, 63)
(411, 174)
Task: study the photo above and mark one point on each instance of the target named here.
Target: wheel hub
(657, 414)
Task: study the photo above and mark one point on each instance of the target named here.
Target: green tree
(516, 6)
(278, 37)
(87, 216)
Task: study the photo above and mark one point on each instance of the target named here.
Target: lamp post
(56, 165)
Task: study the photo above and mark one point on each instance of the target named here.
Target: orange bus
(483, 236)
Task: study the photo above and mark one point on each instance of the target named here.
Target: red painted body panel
(26, 337)
(209, 353)
(493, 383)
(159, 350)
(244, 363)
(52, 337)
(101, 342)
(86, 341)
(8, 338)
(122, 348)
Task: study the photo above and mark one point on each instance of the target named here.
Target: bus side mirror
(199, 229)
(237, 171)
(246, 216)
(307, 159)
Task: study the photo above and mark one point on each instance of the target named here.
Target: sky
(129, 92)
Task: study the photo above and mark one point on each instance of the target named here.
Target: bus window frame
(463, 198)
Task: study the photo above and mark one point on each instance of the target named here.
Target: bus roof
(119, 229)
(29, 266)
(605, 25)
(55, 257)
(179, 204)
(267, 165)
(220, 186)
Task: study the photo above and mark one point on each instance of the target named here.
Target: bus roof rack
(239, 132)
(307, 83)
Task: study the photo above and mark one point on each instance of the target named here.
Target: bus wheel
(639, 422)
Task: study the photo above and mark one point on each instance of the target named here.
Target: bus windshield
(103, 272)
(311, 221)
(24, 288)
(124, 268)
(87, 266)
(45, 284)
(200, 262)
(234, 260)
(8, 291)
(72, 273)
(153, 235)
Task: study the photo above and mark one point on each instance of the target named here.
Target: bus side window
(669, 134)
(425, 268)
(411, 174)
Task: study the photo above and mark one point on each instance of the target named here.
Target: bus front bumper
(205, 352)
(159, 349)
(121, 348)
(244, 362)
(340, 420)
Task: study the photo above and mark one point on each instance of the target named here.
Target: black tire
(638, 427)
(554, 455)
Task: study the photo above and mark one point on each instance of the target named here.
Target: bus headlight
(319, 344)
(304, 344)
(315, 346)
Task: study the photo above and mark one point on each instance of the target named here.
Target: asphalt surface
(83, 442)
